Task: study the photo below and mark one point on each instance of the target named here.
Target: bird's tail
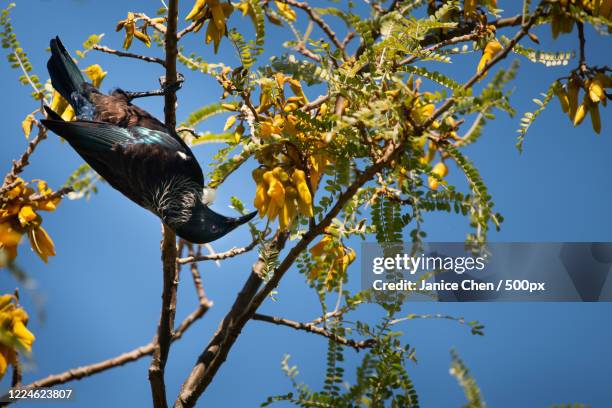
(65, 75)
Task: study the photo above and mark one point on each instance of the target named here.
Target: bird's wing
(134, 160)
(100, 137)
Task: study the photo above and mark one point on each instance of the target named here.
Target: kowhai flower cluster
(19, 216)
(217, 12)
(14, 335)
(331, 260)
(594, 87)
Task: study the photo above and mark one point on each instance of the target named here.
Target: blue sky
(102, 291)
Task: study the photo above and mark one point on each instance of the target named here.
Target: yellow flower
(60, 105)
(41, 243)
(331, 260)
(216, 27)
(129, 25)
(27, 125)
(305, 198)
(439, 170)
(285, 10)
(14, 335)
(596, 92)
(9, 239)
(229, 123)
(8, 235)
(68, 114)
(18, 216)
(320, 248)
(562, 96)
(492, 48)
(143, 36)
(26, 215)
(46, 204)
(95, 74)
(276, 191)
(197, 11)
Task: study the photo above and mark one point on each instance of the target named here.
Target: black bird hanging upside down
(135, 153)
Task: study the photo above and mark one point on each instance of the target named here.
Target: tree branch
(169, 253)
(220, 255)
(311, 328)
(118, 53)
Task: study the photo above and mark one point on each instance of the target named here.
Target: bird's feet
(165, 88)
(173, 87)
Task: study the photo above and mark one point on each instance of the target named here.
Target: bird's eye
(213, 228)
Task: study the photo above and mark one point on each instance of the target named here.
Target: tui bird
(135, 153)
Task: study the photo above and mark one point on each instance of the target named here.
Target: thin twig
(23, 161)
(195, 274)
(318, 20)
(429, 50)
(311, 328)
(157, 26)
(118, 53)
(190, 28)
(219, 256)
(315, 104)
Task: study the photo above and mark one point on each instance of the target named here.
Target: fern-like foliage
(381, 379)
(433, 76)
(482, 211)
(530, 117)
(17, 57)
(460, 371)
